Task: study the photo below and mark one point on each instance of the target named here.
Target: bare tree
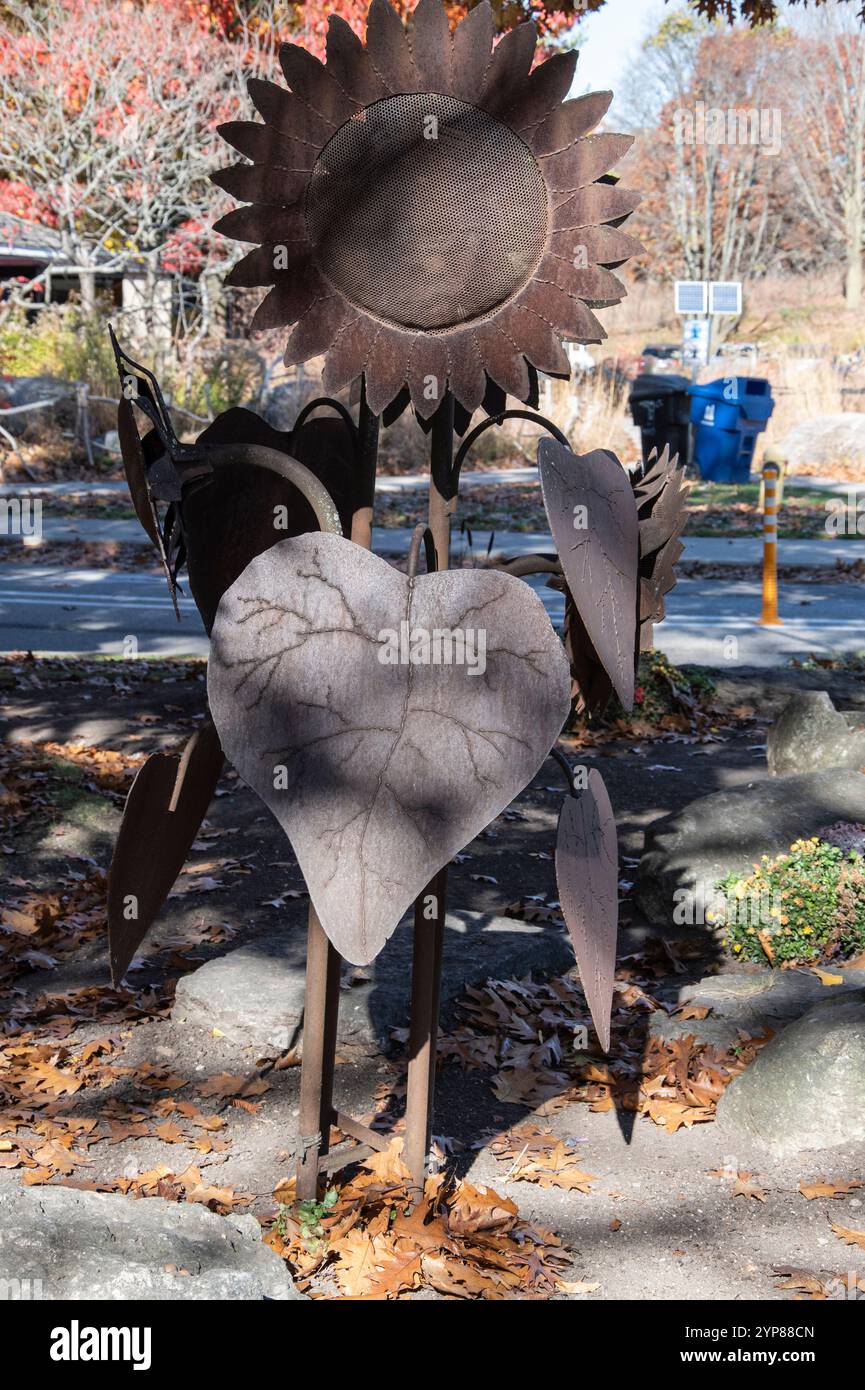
(825, 116)
(108, 116)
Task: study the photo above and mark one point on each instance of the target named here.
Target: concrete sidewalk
(51, 609)
(393, 540)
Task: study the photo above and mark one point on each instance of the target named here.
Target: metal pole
(770, 545)
(319, 1052)
(368, 425)
(441, 505)
(431, 907)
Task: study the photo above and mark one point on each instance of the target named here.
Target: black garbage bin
(661, 408)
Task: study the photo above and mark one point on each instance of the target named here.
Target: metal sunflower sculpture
(434, 217)
(430, 212)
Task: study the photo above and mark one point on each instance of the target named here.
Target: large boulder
(748, 1001)
(63, 1244)
(687, 853)
(254, 995)
(810, 735)
(804, 1089)
(825, 440)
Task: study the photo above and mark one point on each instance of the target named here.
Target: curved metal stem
(531, 415)
(566, 768)
(257, 456)
(342, 412)
(421, 533)
(530, 564)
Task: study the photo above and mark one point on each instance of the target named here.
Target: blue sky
(613, 38)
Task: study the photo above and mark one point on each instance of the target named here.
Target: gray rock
(254, 995)
(726, 832)
(826, 440)
(804, 1089)
(749, 1002)
(102, 1245)
(810, 735)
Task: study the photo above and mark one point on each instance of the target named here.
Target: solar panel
(691, 296)
(725, 297)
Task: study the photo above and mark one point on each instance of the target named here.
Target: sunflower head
(428, 209)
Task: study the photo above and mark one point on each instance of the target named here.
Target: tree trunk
(87, 286)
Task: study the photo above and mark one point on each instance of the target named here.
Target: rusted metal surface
(320, 1015)
(662, 501)
(429, 924)
(163, 813)
(587, 878)
(593, 517)
(257, 494)
(392, 765)
(461, 282)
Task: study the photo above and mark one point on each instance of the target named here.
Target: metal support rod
(319, 1054)
(368, 425)
(429, 919)
(442, 499)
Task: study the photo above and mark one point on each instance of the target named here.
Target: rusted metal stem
(319, 1053)
(429, 919)
(368, 426)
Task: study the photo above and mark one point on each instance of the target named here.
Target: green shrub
(803, 906)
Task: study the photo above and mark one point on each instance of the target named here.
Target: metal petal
(546, 89)
(265, 145)
(597, 202)
(595, 245)
(387, 367)
(592, 512)
(428, 373)
(347, 354)
(262, 183)
(286, 303)
(429, 38)
(310, 80)
(387, 46)
(587, 864)
(163, 813)
(537, 339)
(566, 314)
(503, 360)
(287, 112)
(570, 122)
(349, 63)
(510, 65)
(466, 370)
(263, 222)
(269, 264)
(472, 53)
(591, 283)
(316, 330)
(584, 161)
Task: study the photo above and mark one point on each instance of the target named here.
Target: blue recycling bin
(727, 416)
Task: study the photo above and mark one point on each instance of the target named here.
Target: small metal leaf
(587, 878)
(593, 517)
(163, 813)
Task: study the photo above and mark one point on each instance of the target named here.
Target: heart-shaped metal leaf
(164, 809)
(587, 875)
(385, 720)
(593, 516)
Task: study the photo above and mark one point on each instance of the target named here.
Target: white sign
(695, 341)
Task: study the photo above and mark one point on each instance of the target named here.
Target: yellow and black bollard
(771, 473)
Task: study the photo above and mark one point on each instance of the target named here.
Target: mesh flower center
(426, 211)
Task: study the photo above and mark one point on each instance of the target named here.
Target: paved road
(94, 611)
